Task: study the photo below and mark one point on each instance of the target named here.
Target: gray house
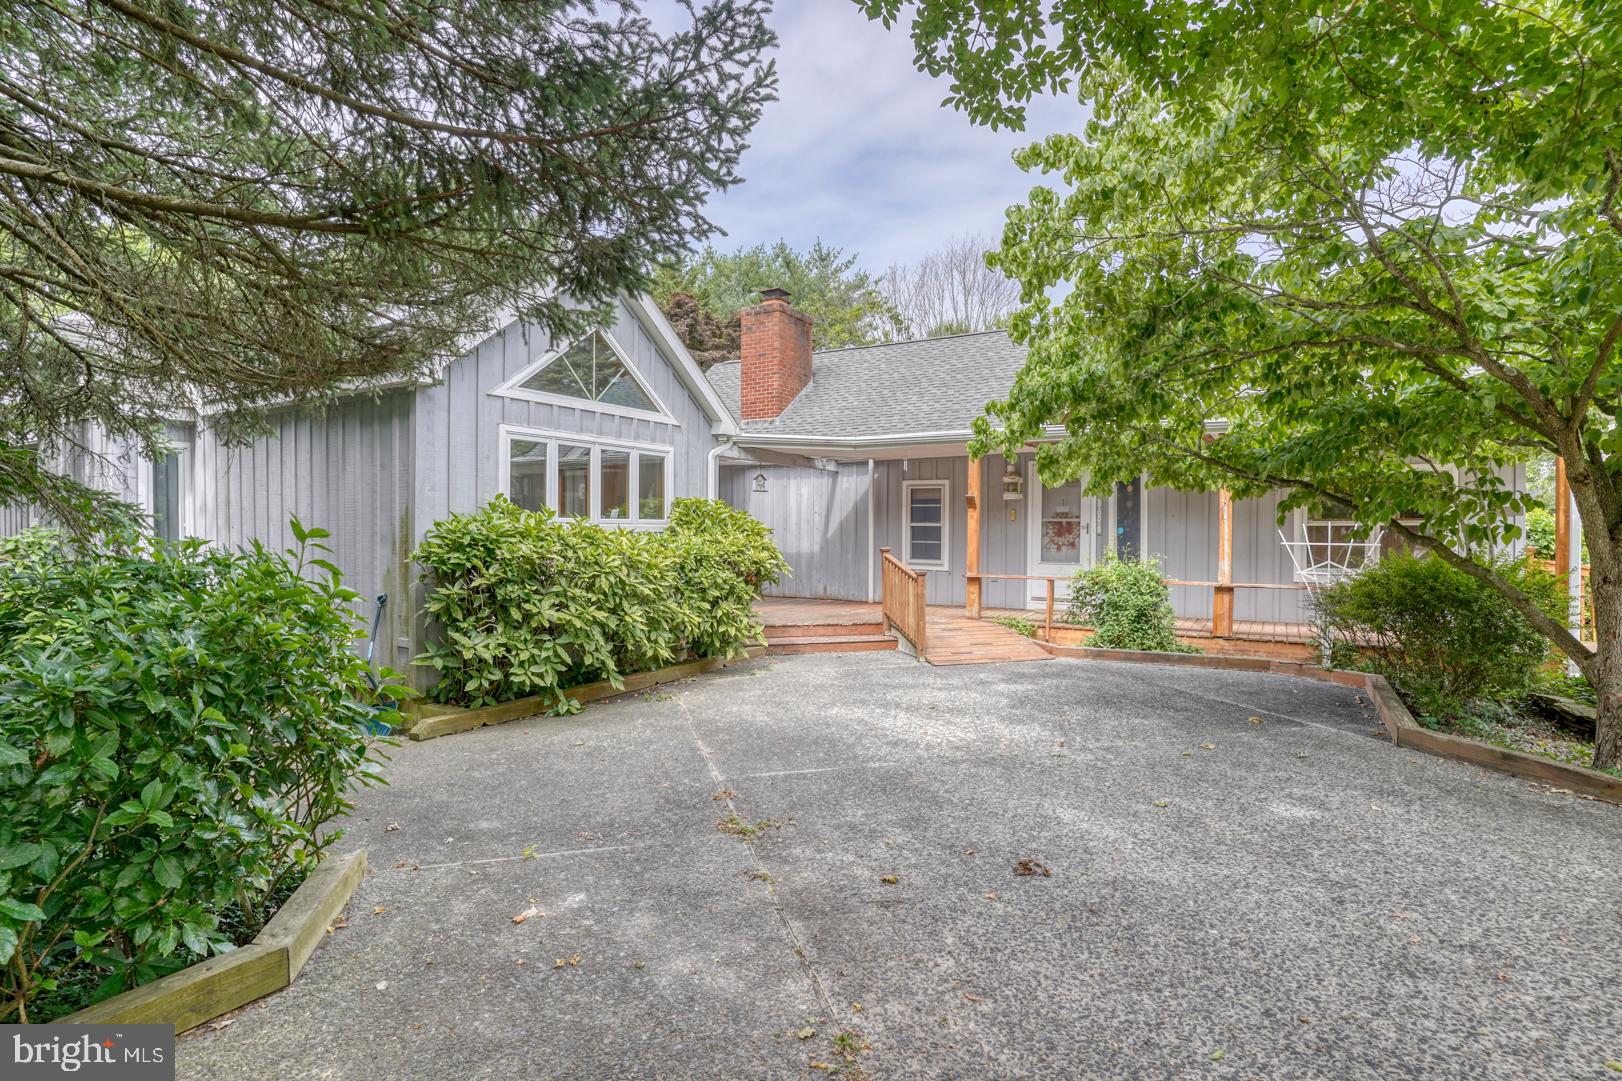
(857, 449)
(841, 452)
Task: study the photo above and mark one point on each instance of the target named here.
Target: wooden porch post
(1222, 595)
(972, 548)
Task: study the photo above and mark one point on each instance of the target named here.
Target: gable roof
(933, 386)
(646, 312)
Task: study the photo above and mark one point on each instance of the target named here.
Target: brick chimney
(776, 361)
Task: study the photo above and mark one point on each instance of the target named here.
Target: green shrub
(1540, 531)
(1127, 604)
(1017, 624)
(1441, 636)
(528, 604)
(177, 724)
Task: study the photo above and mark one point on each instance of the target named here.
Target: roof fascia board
(687, 370)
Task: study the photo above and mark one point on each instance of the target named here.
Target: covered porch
(986, 535)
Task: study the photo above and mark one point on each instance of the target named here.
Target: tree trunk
(1604, 673)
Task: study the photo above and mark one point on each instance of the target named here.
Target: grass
(738, 826)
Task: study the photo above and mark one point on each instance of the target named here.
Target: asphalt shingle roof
(929, 385)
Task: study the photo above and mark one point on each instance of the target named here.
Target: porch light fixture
(760, 482)
(1013, 485)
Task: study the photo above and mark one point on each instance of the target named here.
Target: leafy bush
(1441, 636)
(1127, 604)
(1540, 531)
(177, 724)
(1017, 624)
(528, 604)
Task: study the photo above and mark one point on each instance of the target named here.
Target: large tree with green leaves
(703, 294)
(235, 203)
(1380, 243)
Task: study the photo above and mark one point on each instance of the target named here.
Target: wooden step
(818, 630)
(829, 643)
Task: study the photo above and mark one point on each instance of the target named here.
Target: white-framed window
(168, 496)
(608, 481)
(926, 523)
(592, 372)
(1333, 544)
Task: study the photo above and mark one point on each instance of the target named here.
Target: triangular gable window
(592, 370)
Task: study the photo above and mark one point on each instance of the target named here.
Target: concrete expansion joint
(797, 949)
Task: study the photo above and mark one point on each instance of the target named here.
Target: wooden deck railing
(1221, 614)
(904, 607)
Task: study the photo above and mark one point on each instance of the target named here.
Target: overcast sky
(858, 150)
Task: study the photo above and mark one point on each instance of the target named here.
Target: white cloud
(859, 151)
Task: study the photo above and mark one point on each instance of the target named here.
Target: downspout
(715, 466)
(872, 552)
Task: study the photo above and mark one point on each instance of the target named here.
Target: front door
(1067, 534)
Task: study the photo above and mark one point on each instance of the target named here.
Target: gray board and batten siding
(820, 520)
(458, 425)
(377, 469)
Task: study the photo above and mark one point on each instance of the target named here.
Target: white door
(1067, 531)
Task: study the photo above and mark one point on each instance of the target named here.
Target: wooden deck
(953, 638)
(1255, 630)
(811, 612)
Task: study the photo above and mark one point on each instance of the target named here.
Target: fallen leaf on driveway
(1218, 1055)
(575, 960)
(1027, 867)
(805, 1033)
(972, 998)
(726, 794)
(379, 910)
(1207, 746)
(1255, 720)
(990, 896)
(889, 880)
(526, 914)
(1304, 1019)
(1162, 803)
(391, 827)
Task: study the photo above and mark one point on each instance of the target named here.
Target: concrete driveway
(1246, 882)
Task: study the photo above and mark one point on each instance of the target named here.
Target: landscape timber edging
(1399, 724)
(199, 993)
(433, 720)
